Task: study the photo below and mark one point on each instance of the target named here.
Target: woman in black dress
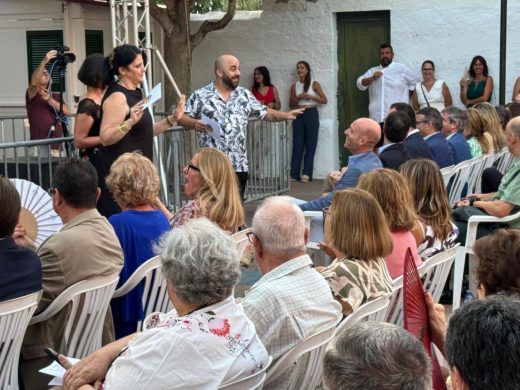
(125, 126)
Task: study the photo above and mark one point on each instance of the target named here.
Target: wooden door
(359, 37)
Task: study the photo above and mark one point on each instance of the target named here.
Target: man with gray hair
(377, 355)
(453, 123)
(291, 301)
(429, 123)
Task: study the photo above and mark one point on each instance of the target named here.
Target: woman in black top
(125, 127)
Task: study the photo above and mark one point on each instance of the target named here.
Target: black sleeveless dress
(139, 138)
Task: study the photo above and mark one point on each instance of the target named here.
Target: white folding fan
(37, 215)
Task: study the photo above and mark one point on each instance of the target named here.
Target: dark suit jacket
(394, 155)
(441, 151)
(459, 147)
(20, 270)
(417, 146)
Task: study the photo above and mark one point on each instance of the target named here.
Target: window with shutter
(94, 42)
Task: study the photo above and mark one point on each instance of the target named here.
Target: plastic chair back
(435, 271)
(306, 358)
(487, 162)
(369, 311)
(89, 301)
(447, 174)
(15, 315)
(253, 381)
(155, 293)
(394, 312)
(460, 178)
(241, 241)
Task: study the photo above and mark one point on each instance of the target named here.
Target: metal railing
(267, 148)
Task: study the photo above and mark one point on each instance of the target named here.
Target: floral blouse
(356, 281)
(211, 346)
(432, 245)
(190, 210)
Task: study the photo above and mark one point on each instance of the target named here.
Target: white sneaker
(304, 179)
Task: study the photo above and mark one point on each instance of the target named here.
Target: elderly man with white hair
(376, 355)
(205, 342)
(291, 301)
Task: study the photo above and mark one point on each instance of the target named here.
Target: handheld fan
(37, 215)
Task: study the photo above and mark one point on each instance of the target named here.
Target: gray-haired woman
(206, 341)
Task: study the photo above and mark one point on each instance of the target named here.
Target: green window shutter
(94, 42)
(38, 44)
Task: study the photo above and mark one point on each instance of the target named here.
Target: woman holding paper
(125, 125)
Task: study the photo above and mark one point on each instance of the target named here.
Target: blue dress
(137, 232)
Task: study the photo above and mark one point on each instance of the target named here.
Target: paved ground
(306, 191)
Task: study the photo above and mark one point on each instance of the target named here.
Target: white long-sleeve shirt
(392, 87)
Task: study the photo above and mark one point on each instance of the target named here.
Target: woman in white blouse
(430, 92)
(206, 341)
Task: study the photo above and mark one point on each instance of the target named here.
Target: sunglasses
(191, 166)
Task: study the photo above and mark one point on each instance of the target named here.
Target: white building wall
(448, 32)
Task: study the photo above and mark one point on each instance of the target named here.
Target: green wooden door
(359, 37)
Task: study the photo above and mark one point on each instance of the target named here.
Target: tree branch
(209, 26)
(161, 15)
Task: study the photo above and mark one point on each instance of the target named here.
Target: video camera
(63, 58)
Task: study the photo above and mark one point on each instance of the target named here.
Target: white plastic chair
(461, 173)
(394, 312)
(309, 351)
(15, 315)
(462, 251)
(370, 311)
(241, 241)
(447, 174)
(435, 271)
(308, 216)
(487, 162)
(90, 299)
(505, 162)
(155, 294)
(253, 381)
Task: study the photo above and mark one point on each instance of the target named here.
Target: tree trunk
(177, 56)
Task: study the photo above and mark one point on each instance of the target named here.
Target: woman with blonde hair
(209, 178)
(492, 125)
(479, 142)
(134, 183)
(391, 190)
(356, 232)
(431, 203)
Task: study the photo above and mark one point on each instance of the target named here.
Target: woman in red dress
(265, 92)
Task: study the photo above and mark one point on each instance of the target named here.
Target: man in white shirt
(292, 301)
(387, 83)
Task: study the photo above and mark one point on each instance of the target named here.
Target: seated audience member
(391, 191)
(431, 204)
(507, 199)
(513, 109)
(291, 301)
(210, 180)
(453, 123)
(498, 269)
(357, 235)
(414, 143)
(479, 142)
(429, 123)
(84, 248)
(205, 341)
(393, 153)
(134, 184)
(374, 356)
(482, 344)
(504, 116)
(21, 271)
(360, 139)
(492, 125)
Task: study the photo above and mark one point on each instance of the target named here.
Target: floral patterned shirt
(432, 245)
(232, 117)
(188, 211)
(356, 281)
(211, 346)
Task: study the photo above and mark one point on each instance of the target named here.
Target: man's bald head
(223, 61)
(227, 72)
(362, 135)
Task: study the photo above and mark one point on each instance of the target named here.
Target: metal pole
(167, 71)
(503, 42)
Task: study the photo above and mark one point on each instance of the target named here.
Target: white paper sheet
(154, 95)
(57, 371)
(215, 127)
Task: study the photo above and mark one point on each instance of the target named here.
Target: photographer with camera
(42, 105)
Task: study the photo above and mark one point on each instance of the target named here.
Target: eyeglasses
(191, 166)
